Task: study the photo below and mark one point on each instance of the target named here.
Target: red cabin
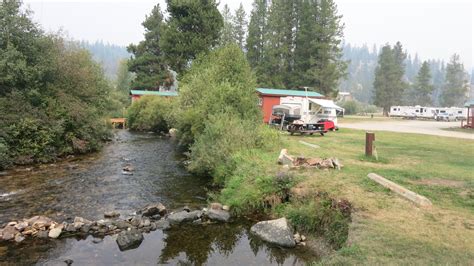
(267, 98)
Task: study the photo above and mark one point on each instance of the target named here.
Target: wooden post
(282, 121)
(369, 143)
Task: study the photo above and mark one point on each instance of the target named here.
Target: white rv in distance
(423, 112)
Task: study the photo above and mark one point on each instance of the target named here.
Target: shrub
(150, 113)
(351, 107)
(323, 216)
(221, 81)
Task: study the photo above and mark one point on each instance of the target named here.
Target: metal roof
(469, 103)
(156, 93)
(288, 92)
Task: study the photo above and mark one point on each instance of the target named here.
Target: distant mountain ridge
(108, 55)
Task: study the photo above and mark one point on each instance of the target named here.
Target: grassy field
(359, 118)
(458, 129)
(385, 228)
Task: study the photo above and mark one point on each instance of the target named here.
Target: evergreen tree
(279, 46)
(240, 26)
(456, 86)
(423, 87)
(256, 37)
(388, 84)
(193, 27)
(227, 31)
(147, 61)
(327, 67)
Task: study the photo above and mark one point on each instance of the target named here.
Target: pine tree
(456, 86)
(240, 26)
(147, 61)
(319, 34)
(227, 31)
(193, 27)
(423, 87)
(255, 40)
(389, 84)
(279, 46)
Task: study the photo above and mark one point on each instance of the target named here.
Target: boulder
(153, 209)
(39, 222)
(111, 214)
(129, 239)
(9, 232)
(218, 215)
(184, 216)
(276, 232)
(55, 232)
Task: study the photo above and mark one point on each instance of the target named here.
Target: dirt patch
(439, 182)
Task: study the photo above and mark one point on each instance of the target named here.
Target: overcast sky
(431, 28)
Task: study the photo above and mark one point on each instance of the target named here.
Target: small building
(470, 115)
(267, 98)
(343, 96)
(136, 94)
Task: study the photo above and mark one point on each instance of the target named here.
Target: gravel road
(411, 126)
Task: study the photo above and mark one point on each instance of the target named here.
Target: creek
(87, 186)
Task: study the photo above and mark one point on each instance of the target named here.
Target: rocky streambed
(68, 200)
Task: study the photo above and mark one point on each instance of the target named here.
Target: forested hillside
(107, 55)
(361, 68)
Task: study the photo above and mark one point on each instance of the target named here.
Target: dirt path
(410, 126)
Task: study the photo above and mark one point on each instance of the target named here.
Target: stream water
(87, 186)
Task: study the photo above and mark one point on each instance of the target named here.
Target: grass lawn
(359, 118)
(458, 129)
(385, 228)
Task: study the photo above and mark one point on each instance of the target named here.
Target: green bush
(321, 216)
(150, 113)
(353, 107)
(221, 81)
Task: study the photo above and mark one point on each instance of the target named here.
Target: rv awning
(326, 103)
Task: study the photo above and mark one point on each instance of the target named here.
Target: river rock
(129, 239)
(111, 214)
(40, 223)
(9, 232)
(42, 234)
(121, 224)
(226, 208)
(55, 232)
(277, 232)
(218, 215)
(70, 228)
(215, 206)
(163, 224)
(184, 216)
(126, 173)
(81, 220)
(19, 238)
(21, 226)
(153, 209)
(144, 223)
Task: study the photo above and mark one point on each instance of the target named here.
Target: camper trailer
(423, 112)
(306, 115)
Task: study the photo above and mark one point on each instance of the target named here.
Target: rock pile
(315, 162)
(149, 218)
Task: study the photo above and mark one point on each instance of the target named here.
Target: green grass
(458, 129)
(385, 228)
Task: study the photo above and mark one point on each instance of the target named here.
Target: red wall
(268, 102)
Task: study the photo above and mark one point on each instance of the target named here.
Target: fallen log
(407, 194)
